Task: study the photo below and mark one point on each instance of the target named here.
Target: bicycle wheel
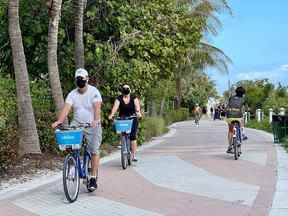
(124, 161)
(235, 148)
(239, 150)
(71, 178)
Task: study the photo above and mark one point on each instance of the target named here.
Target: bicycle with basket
(123, 126)
(77, 163)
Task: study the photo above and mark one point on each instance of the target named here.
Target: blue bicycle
(237, 139)
(123, 126)
(72, 139)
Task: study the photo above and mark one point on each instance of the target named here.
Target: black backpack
(234, 107)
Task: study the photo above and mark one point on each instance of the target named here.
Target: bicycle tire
(239, 150)
(70, 170)
(235, 148)
(124, 161)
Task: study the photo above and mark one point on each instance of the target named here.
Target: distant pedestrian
(211, 112)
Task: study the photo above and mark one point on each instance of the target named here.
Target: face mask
(80, 82)
(125, 91)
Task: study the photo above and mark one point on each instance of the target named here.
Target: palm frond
(207, 55)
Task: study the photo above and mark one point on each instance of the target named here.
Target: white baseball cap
(81, 72)
(126, 86)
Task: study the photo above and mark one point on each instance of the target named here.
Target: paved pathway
(184, 174)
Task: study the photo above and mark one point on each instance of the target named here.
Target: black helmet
(240, 91)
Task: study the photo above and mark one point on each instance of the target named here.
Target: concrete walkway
(184, 173)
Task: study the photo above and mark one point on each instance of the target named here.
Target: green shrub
(285, 143)
(181, 114)
(8, 119)
(44, 116)
(263, 125)
(153, 126)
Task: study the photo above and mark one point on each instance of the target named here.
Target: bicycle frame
(127, 143)
(237, 132)
(81, 169)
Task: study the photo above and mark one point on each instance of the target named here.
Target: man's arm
(97, 113)
(64, 113)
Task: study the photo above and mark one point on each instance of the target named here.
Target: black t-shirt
(126, 110)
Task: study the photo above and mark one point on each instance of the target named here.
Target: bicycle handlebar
(73, 127)
(127, 118)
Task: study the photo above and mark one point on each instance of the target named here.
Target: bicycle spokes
(70, 178)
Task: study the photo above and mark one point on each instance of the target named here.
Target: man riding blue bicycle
(234, 113)
(86, 102)
(128, 105)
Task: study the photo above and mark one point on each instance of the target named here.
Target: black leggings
(134, 130)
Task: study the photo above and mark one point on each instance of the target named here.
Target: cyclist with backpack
(234, 112)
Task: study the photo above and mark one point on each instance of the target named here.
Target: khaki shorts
(93, 137)
(230, 120)
(230, 125)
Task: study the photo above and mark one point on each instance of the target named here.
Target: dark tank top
(126, 110)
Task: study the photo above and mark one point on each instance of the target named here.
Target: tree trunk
(178, 92)
(79, 6)
(162, 106)
(153, 108)
(27, 131)
(54, 18)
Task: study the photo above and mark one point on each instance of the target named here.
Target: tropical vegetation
(158, 47)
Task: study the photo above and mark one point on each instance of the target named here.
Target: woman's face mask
(125, 91)
(80, 82)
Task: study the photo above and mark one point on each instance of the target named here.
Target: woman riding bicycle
(234, 112)
(128, 105)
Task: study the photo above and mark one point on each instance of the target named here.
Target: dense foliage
(142, 43)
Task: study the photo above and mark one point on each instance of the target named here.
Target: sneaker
(244, 137)
(93, 184)
(229, 150)
(134, 159)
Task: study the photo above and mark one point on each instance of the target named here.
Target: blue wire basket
(123, 126)
(69, 138)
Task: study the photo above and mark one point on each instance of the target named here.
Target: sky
(255, 37)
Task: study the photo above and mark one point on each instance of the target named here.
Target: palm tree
(28, 136)
(79, 7)
(54, 17)
(204, 55)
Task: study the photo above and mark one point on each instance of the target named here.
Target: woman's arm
(114, 109)
(137, 107)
